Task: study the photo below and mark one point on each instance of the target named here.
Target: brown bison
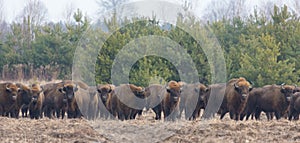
(153, 98)
(213, 99)
(55, 101)
(23, 100)
(77, 99)
(104, 92)
(296, 89)
(126, 101)
(251, 103)
(235, 98)
(60, 97)
(270, 98)
(192, 100)
(36, 104)
(171, 101)
(8, 96)
(294, 108)
(93, 109)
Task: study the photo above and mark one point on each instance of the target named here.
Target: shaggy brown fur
(171, 101)
(270, 98)
(55, 101)
(192, 100)
(152, 93)
(104, 92)
(8, 96)
(294, 108)
(213, 98)
(236, 95)
(36, 104)
(129, 100)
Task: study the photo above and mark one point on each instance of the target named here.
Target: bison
(55, 101)
(270, 98)
(192, 100)
(77, 99)
(171, 101)
(294, 108)
(60, 97)
(213, 99)
(126, 101)
(251, 103)
(8, 96)
(235, 98)
(104, 92)
(153, 98)
(36, 104)
(23, 100)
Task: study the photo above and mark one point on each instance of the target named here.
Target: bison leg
(58, 112)
(37, 114)
(24, 111)
(231, 115)
(63, 112)
(223, 112)
(291, 113)
(257, 114)
(157, 111)
(296, 116)
(277, 115)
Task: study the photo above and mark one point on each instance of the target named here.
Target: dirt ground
(145, 129)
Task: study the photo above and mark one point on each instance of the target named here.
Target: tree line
(263, 50)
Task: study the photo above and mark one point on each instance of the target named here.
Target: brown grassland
(146, 129)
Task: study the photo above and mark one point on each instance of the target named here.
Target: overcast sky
(56, 8)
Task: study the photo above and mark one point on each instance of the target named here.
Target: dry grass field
(145, 129)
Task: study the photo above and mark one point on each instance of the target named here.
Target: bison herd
(75, 99)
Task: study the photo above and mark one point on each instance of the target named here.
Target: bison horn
(282, 85)
(7, 88)
(143, 89)
(168, 87)
(295, 85)
(236, 86)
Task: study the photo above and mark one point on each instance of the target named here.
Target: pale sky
(57, 8)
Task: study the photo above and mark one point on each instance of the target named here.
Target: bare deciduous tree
(295, 6)
(35, 11)
(68, 13)
(217, 10)
(1, 11)
(107, 5)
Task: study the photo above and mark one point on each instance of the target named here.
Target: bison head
(174, 89)
(13, 91)
(69, 91)
(202, 90)
(104, 91)
(137, 91)
(243, 87)
(296, 89)
(35, 91)
(24, 93)
(287, 90)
